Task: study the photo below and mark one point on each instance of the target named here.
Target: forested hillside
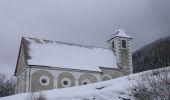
(154, 55)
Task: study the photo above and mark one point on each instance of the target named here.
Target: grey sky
(88, 22)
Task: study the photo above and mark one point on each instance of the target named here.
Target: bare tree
(7, 85)
(153, 85)
(3, 79)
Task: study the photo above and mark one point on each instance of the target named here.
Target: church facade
(46, 64)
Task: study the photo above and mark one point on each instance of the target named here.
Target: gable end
(22, 49)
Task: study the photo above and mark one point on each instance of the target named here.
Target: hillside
(115, 89)
(152, 56)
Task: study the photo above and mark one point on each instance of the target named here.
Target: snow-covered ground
(114, 89)
(107, 90)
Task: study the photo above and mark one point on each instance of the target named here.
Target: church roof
(67, 55)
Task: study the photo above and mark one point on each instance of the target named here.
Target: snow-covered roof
(121, 33)
(68, 55)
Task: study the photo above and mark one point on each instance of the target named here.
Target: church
(46, 64)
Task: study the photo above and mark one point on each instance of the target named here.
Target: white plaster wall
(27, 80)
(21, 68)
(21, 82)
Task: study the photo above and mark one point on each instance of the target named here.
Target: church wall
(37, 84)
(68, 76)
(130, 56)
(58, 76)
(27, 79)
(116, 48)
(22, 81)
(87, 78)
(111, 73)
(123, 55)
(21, 74)
(21, 61)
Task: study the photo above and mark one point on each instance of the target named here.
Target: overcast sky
(89, 22)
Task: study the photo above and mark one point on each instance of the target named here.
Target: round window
(66, 82)
(85, 81)
(44, 80)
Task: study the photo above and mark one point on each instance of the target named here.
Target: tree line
(152, 56)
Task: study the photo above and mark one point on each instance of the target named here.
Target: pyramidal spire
(120, 33)
(115, 33)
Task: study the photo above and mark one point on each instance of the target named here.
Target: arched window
(113, 44)
(85, 81)
(123, 44)
(106, 77)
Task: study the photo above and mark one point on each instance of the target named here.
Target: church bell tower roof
(121, 33)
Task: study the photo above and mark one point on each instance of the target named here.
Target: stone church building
(46, 64)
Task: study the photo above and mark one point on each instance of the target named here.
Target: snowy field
(115, 89)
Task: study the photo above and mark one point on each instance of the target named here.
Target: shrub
(35, 96)
(153, 86)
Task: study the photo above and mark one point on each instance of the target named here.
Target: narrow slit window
(123, 44)
(113, 44)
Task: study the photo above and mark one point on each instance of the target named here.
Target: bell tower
(120, 43)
